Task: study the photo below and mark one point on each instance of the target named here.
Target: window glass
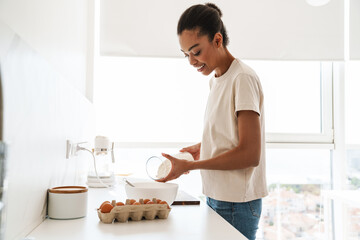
(149, 99)
(352, 100)
(353, 220)
(352, 136)
(353, 169)
(164, 99)
(294, 207)
(292, 95)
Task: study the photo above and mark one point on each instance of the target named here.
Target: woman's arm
(246, 154)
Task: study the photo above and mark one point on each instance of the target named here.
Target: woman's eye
(197, 53)
(186, 56)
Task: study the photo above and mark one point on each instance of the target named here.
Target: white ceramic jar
(67, 202)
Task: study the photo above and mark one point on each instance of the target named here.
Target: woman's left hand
(178, 167)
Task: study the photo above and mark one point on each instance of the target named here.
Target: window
(154, 105)
(149, 99)
(163, 100)
(352, 211)
(298, 103)
(352, 98)
(353, 220)
(294, 207)
(352, 139)
(353, 169)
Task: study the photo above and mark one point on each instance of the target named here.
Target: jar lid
(68, 189)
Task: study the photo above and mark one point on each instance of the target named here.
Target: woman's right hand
(194, 150)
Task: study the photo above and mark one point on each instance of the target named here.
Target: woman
(231, 155)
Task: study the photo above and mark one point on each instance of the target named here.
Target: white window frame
(325, 139)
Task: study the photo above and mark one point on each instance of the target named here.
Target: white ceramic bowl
(164, 191)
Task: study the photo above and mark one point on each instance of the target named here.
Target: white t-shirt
(237, 89)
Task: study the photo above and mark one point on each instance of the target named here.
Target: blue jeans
(244, 216)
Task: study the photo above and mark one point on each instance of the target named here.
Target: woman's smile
(201, 67)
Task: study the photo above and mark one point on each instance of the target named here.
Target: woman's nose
(192, 60)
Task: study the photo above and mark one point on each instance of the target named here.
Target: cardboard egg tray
(134, 212)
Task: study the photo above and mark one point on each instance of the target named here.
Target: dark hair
(206, 17)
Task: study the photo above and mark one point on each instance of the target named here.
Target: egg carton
(134, 212)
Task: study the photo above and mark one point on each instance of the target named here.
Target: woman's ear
(218, 40)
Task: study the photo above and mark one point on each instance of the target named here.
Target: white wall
(43, 61)
(56, 29)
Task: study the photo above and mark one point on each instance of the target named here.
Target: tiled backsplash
(41, 111)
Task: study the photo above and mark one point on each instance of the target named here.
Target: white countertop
(184, 222)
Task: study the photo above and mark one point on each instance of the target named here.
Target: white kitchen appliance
(101, 172)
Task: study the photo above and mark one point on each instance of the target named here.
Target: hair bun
(212, 5)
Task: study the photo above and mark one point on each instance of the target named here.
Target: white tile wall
(41, 111)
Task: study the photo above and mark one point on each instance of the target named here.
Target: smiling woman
(231, 153)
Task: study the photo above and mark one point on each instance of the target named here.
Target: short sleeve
(247, 93)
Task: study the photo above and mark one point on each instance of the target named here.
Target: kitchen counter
(184, 222)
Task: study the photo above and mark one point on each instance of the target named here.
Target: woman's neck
(225, 61)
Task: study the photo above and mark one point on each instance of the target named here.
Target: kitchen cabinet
(198, 222)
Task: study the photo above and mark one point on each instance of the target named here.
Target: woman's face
(199, 50)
